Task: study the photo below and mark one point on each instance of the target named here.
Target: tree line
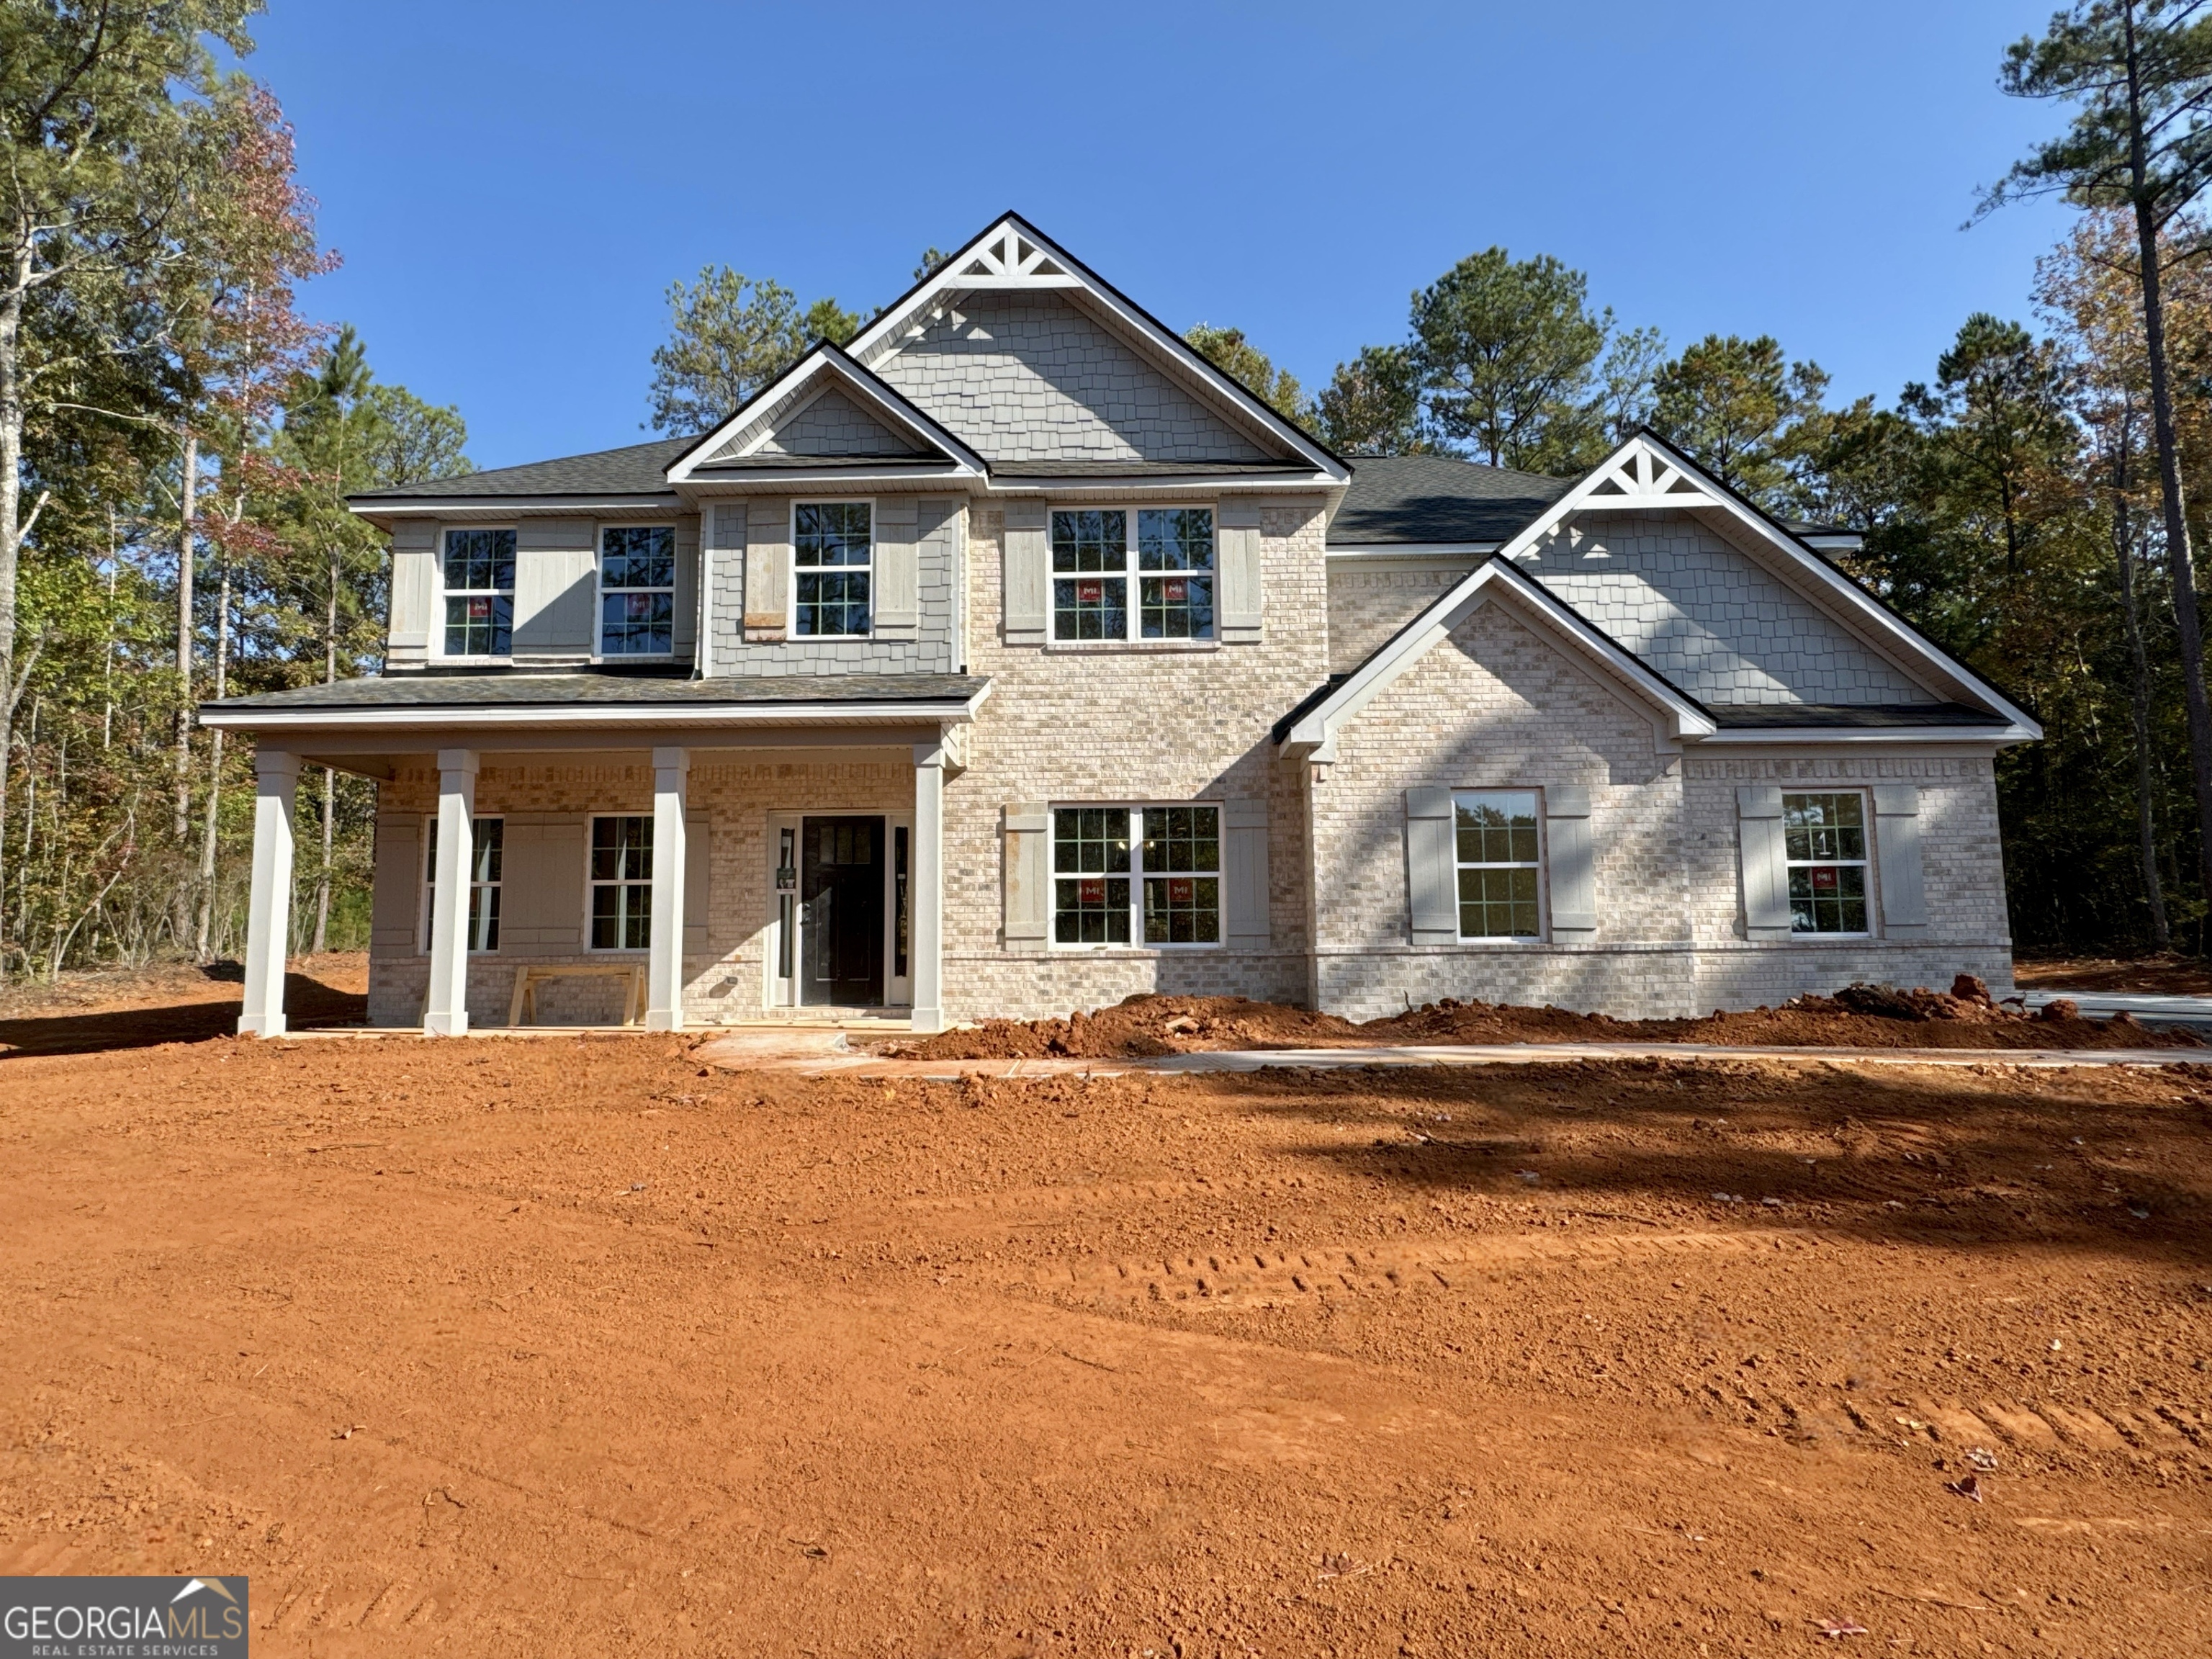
(177, 441)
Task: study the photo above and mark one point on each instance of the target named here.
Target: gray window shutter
(1028, 574)
(1431, 866)
(414, 609)
(1765, 874)
(686, 632)
(556, 588)
(1028, 883)
(1570, 860)
(768, 575)
(1245, 873)
(697, 864)
(896, 600)
(1897, 858)
(396, 898)
(1238, 543)
(560, 904)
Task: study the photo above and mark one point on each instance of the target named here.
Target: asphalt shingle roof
(635, 469)
(1437, 498)
(507, 689)
(1758, 716)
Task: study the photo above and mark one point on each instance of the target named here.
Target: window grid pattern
(1823, 847)
(637, 591)
(487, 854)
(833, 552)
(1123, 874)
(479, 577)
(622, 883)
(1497, 857)
(1171, 563)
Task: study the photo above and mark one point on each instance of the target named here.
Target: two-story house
(1013, 658)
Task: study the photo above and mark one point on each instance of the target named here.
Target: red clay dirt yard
(576, 1343)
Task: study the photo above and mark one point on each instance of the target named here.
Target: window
(622, 884)
(1496, 830)
(833, 549)
(480, 593)
(1824, 844)
(489, 836)
(1170, 563)
(637, 591)
(1123, 874)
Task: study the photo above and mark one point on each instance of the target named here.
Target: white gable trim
(1013, 255)
(827, 361)
(1647, 475)
(1314, 737)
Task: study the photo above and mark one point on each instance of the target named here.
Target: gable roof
(735, 444)
(633, 469)
(1013, 256)
(1646, 474)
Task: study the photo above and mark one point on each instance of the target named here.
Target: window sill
(1107, 647)
(1129, 952)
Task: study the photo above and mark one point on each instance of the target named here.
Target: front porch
(758, 866)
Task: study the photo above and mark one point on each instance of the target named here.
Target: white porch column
(269, 913)
(446, 1010)
(926, 895)
(664, 971)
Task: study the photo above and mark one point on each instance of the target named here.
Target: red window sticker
(1089, 593)
(1177, 591)
(1824, 881)
(1181, 891)
(1091, 892)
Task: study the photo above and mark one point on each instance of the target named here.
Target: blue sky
(513, 185)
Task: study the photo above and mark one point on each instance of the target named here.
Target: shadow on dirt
(2078, 1159)
(308, 1004)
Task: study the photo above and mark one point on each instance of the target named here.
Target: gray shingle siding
(1028, 377)
(832, 425)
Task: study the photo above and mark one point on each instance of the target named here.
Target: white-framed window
(637, 590)
(1500, 859)
(620, 883)
(478, 573)
(1133, 573)
(1136, 875)
(485, 876)
(833, 552)
(1823, 841)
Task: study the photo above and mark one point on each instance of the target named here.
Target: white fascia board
(1840, 541)
(513, 506)
(826, 359)
(996, 246)
(601, 717)
(1315, 735)
(770, 481)
(1786, 737)
(1183, 483)
(1412, 550)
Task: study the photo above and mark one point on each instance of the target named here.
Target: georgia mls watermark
(166, 1618)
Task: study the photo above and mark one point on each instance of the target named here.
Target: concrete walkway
(2189, 1013)
(824, 1054)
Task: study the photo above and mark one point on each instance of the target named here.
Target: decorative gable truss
(827, 410)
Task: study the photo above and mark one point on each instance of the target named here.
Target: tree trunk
(11, 527)
(202, 943)
(2161, 931)
(187, 524)
(2181, 568)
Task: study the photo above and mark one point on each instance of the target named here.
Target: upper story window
(637, 591)
(1110, 585)
(833, 556)
(479, 574)
(1824, 844)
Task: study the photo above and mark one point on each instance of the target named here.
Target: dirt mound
(1857, 1017)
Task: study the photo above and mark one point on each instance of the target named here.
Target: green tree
(2139, 74)
(1507, 352)
(1228, 350)
(728, 337)
(1372, 404)
(1735, 406)
(932, 261)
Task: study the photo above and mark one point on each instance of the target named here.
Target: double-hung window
(1824, 845)
(1123, 875)
(1157, 584)
(1497, 851)
(637, 591)
(833, 556)
(622, 883)
(479, 576)
(485, 858)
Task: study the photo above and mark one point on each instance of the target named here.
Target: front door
(841, 912)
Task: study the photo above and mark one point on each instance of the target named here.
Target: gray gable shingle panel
(634, 470)
(1396, 499)
(833, 425)
(506, 690)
